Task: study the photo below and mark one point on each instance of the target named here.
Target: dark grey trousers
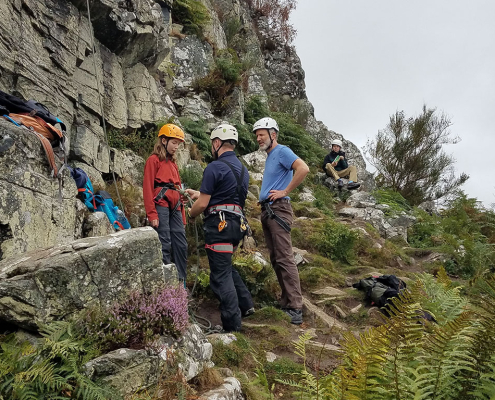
(173, 239)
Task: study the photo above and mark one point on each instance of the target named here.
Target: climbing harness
(164, 188)
(266, 206)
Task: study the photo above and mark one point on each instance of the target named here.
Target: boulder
(361, 200)
(129, 371)
(55, 283)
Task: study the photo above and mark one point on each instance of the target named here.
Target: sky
(364, 60)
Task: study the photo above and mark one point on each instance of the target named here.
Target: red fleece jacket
(161, 172)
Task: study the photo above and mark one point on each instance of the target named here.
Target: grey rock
(52, 284)
(330, 291)
(126, 370)
(32, 213)
(314, 312)
(361, 200)
(97, 224)
(356, 309)
(307, 195)
(270, 357)
(255, 189)
(229, 390)
(256, 161)
(143, 97)
(129, 371)
(128, 166)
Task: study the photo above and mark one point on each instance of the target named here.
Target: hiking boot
(340, 184)
(353, 185)
(248, 312)
(295, 315)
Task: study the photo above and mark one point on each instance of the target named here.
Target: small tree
(409, 158)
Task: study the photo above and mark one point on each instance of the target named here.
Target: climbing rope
(100, 98)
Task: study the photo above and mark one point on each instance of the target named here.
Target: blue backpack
(84, 187)
(100, 201)
(116, 217)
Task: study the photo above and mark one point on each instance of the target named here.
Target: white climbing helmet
(265, 123)
(225, 132)
(337, 142)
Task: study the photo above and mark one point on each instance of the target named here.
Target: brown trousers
(279, 244)
(351, 171)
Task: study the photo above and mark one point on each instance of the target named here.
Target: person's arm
(326, 161)
(199, 205)
(343, 161)
(150, 169)
(301, 169)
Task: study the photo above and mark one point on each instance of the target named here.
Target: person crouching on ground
(335, 165)
(221, 197)
(284, 171)
(162, 201)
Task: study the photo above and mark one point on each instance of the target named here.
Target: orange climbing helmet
(171, 131)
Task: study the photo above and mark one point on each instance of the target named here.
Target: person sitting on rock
(336, 166)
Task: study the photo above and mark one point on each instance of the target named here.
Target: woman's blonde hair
(160, 150)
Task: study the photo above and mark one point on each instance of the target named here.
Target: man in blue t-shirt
(284, 171)
(221, 197)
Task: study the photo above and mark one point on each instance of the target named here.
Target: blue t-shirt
(221, 184)
(278, 172)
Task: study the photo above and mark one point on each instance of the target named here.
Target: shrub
(191, 175)
(259, 279)
(301, 142)
(222, 80)
(200, 135)
(192, 14)
(408, 155)
(336, 241)
(140, 319)
(393, 199)
(277, 13)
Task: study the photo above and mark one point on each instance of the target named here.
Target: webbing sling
(272, 215)
(239, 181)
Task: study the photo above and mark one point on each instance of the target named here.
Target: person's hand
(154, 223)
(334, 164)
(194, 194)
(341, 158)
(277, 194)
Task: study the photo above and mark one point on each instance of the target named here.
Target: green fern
(50, 370)
(408, 358)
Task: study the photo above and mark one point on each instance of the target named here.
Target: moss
(270, 314)
(313, 277)
(305, 210)
(232, 355)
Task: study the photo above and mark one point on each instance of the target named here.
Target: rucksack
(116, 217)
(84, 188)
(99, 201)
(37, 119)
(380, 289)
(18, 106)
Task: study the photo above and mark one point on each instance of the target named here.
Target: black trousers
(225, 281)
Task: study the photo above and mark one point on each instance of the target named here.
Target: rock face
(46, 53)
(52, 284)
(33, 213)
